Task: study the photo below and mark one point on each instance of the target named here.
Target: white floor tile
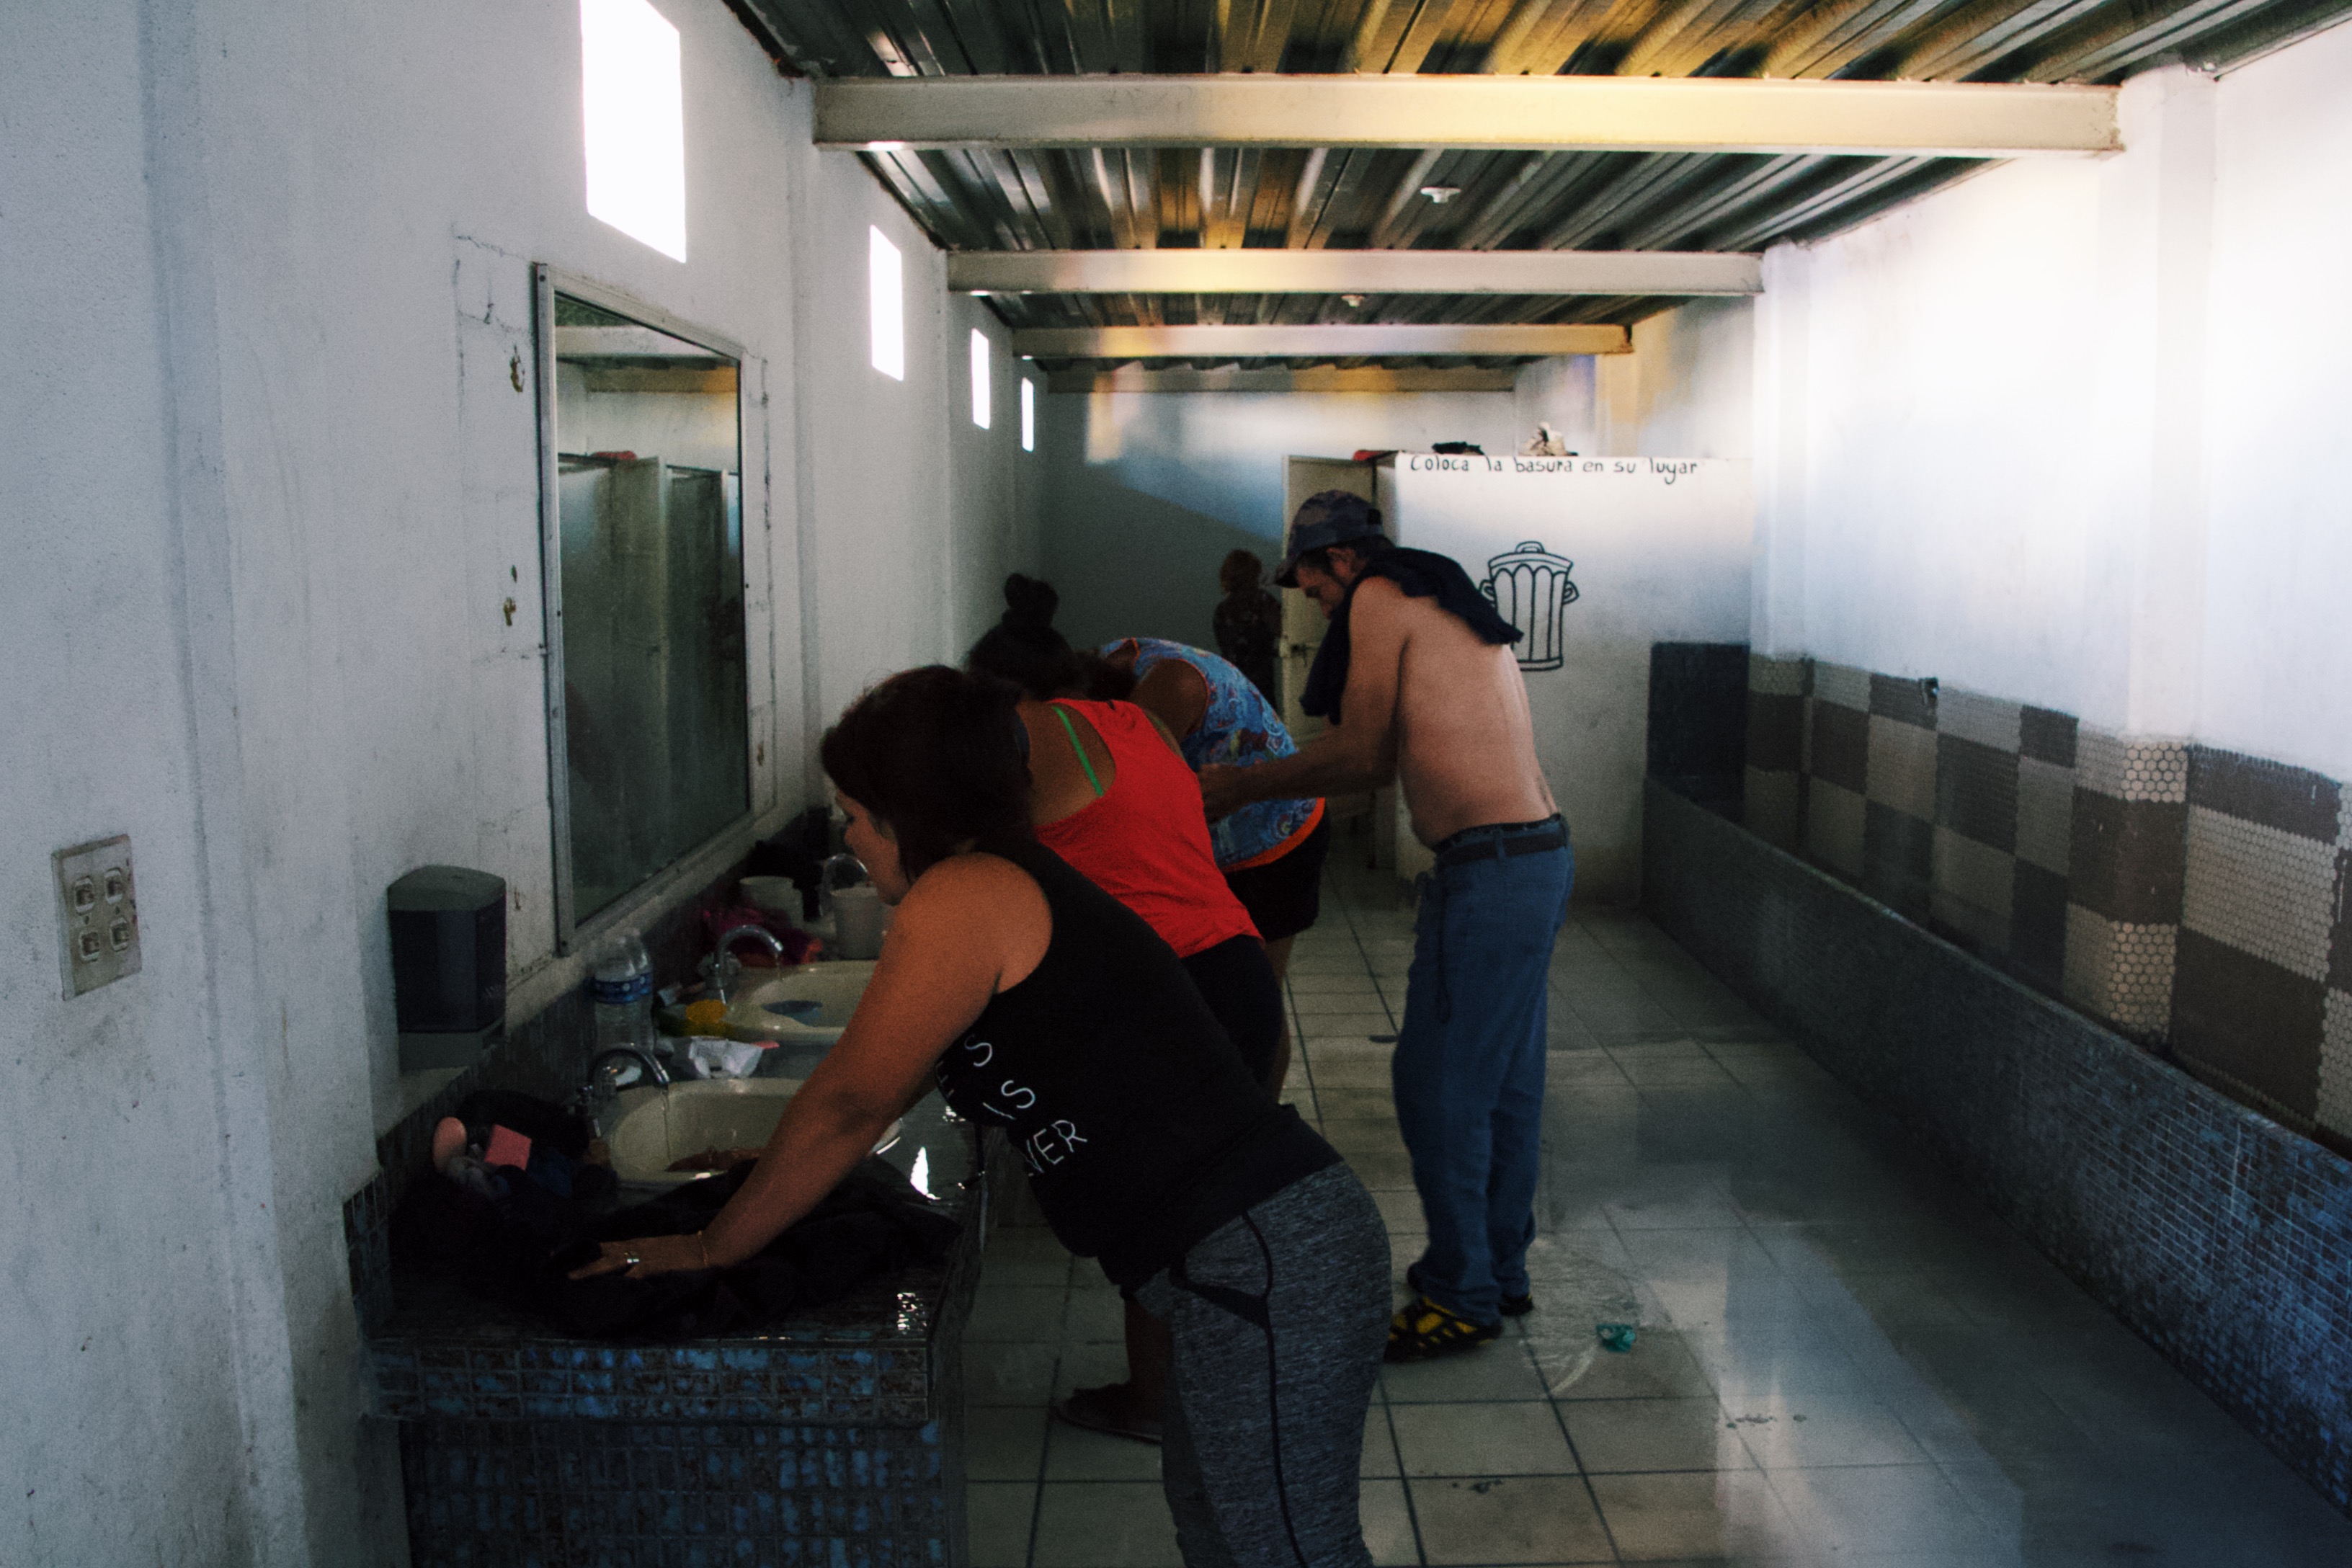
(1840, 1359)
(1497, 1439)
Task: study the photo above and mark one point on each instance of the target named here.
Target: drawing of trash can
(1529, 587)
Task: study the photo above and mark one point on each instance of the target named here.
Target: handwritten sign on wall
(1665, 471)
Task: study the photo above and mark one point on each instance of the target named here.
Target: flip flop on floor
(1105, 1409)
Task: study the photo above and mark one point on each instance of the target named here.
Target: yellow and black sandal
(1423, 1329)
(1513, 1306)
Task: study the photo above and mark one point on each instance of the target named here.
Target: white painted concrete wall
(995, 522)
(915, 515)
(1686, 390)
(266, 271)
(1146, 492)
(130, 1223)
(2276, 664)
(878, 470)
(2071, 432)
(1661, 550)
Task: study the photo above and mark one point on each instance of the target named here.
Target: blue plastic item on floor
(1615, 1336)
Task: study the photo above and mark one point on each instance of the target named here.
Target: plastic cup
(858, 923)
(775, 894)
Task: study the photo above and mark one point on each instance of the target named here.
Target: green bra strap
(1072, 732)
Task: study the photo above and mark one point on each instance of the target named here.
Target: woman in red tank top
(1142, 838)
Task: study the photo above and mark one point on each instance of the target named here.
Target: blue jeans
(1469, 1067)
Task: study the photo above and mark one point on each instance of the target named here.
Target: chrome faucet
(723, 967)
(605, 1072)
(602, 1084)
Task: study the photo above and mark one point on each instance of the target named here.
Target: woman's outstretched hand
(648, 1255)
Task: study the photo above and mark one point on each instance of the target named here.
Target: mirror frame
(571, 933)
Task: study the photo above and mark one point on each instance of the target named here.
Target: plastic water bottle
(621, 984)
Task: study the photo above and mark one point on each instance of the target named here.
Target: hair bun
(1029, 602)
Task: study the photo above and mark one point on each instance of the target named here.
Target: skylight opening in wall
(886, 298)
(980, 410)
(635, 115)
(1028, 415)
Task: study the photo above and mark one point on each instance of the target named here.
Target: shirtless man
(1432, 698)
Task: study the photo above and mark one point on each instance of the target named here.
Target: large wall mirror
(642, 514)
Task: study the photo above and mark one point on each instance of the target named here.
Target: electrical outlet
(97, 913)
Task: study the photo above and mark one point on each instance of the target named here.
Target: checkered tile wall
(2213, 1231)
(2194, 899)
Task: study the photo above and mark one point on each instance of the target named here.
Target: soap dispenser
(448, 964)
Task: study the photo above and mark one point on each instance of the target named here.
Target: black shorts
(1283, 897)
(1238, 983)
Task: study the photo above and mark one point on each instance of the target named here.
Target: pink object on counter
(508, 1147)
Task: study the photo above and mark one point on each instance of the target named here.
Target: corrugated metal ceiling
(1008, 199)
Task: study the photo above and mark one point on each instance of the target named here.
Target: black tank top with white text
(1140, 1127)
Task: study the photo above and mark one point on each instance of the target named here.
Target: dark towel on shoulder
(1422, 575)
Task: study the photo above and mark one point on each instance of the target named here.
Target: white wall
(1660, 553)
(1686, 390)
(2071, 432)
(267, 272)
(878, 574)
(996, 521)
(123, 1360)
(1932, 509)
(1146, 492)
(1149, 491)
(915, 515)
(2279, 411)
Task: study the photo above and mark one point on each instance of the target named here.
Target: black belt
(1511, 839)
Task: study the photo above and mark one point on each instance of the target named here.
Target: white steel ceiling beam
(1271, 271)
(1344, 342)
(1314, 378)
(1536, 114)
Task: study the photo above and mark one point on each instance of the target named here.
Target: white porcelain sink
(807, 1005)
(654, 1127)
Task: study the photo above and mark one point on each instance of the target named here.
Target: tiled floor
(1840, 1359)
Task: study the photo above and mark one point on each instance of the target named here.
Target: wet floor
(1840, 1358)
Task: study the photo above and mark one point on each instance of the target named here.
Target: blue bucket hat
(1324, 519)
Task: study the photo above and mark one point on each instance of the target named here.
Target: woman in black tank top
(1041, 1006)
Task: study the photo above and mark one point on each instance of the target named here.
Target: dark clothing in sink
(519, 1250)
(1141, 1128)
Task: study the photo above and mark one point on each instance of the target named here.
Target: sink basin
(807, 1005)
(654, 1127)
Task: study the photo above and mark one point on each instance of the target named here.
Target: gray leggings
(1279, 1319)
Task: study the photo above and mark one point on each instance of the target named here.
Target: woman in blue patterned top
(1272, 851)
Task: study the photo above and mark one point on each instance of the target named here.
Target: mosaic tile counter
(834, 1437)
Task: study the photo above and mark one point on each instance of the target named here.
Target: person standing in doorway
(1418, 680)
(1271, 853)
(1249, 623)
